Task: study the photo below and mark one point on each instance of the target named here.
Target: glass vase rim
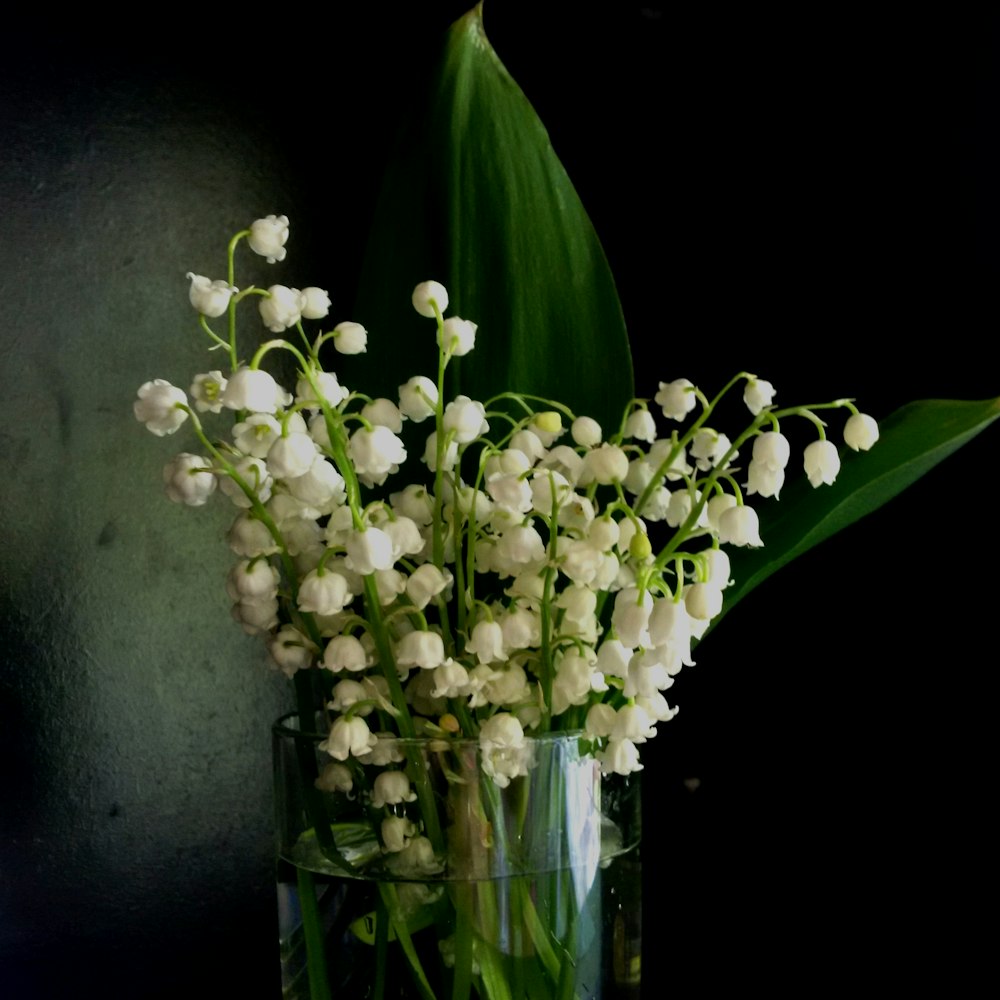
(281, 728)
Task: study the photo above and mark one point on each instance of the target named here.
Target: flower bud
(822, 462)
(427, 295)
(317, 303)
(350, 338)
(457, 336)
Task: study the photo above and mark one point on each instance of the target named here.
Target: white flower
(158, 407)
(676, 398)
(249, 537)
(822, 462)
(703, 601)
(189, 479)
(451, 680)
(290, 650)
(771, 450)
(586, 431)
(465, 419)
(368, 551)
(331, 390)
(427, 295)
(256, 615)
(457, 336)
(860, 432)
(757, 395)
(503, 747)
(487, 642)
(282, 308)
(210, 298)
(350, 338)
(321, 488)
(268, 237)
(345, 652)
(708, 447)
(383, 413)
(392, 788)
(604, 465)
(335, 777)
(291, 456)
(348, 693)
(397, 832)
(426, 582)
(317, 303)
(764, 481)
(255, 474)
(630, 618)
(255, 435)
(349, 737)
(740, 526)
(641, 426)
(417, 398)
(619, 757)
(254, 390)
(420, 649)
(207, 392)
(256, 579)
(324, 594)
(375, 453)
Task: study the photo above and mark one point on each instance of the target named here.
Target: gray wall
(815, 201)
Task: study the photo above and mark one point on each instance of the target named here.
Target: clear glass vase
(467, 887)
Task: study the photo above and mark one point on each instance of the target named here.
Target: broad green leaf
(913, 440)
(477, 199)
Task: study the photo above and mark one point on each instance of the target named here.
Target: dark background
(811, 197)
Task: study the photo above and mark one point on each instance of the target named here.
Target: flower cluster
(538, 572)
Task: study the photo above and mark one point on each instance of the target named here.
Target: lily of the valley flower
(282, 308)
(429, 294)
(210, 298)
(158, 407)
(268, 237)
(255, 390)
(822, 462)
(860, 432)
(189, 479)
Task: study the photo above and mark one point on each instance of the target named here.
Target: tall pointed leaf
(477, 199)
(913, 440)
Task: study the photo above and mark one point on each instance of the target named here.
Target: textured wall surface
(811, 201)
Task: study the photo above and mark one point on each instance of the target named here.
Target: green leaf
(477, 199)
(913, 440)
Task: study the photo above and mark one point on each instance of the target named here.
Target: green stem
(312, 930)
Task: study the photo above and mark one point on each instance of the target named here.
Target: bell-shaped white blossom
(268, 237)
(335, 777)
(457, 336)
(325, 593)
(321, 488)
(708, 447)
(345, 652)
(703, 601)
(417, 398)
(376, 453)
(771, 450)
(290, 650)
(254, 473)
(347, 694)
(677, 399)
(420, 648)
(425, 583)
(206, 391)
(397, 831)
(604, 465)
(630, 618)
(822, 462)
(189, 479)
(291, 456)
(641, 426)
(368, 551)
(860, 432)
(758, 394)
(158, 407)
(619, 757)
(349, 737)
(487, 642)
(392, 788)
(282, 307)
(465, 420)
(316, 304)
(764, 481)
(586, 432)
(250, 537)
(505, 753)
(253, 578)
(350, 338)
(427, 295)
(256, 615)
(254, 390)
(739, 525)
(210, 298)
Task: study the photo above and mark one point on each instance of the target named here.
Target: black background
(811, 197)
